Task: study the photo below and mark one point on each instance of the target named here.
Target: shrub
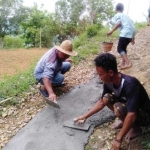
(80, 40)
(77, 43)
(13, 42)
(139, 25)
(92, 30)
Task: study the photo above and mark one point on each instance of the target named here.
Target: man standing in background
(127, 33)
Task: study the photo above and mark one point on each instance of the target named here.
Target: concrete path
(46, 132)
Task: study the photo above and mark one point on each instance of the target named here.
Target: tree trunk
(40, 36)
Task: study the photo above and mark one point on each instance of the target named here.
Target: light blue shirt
(48, 65)
(127, 28)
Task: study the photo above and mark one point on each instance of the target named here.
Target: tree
(69, 10)
(32, 24)
(49, 30)
(68, 14)
(11, 12)
(99, 10)
(39, 28)
(74, 15)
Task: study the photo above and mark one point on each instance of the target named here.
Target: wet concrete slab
(46, 131)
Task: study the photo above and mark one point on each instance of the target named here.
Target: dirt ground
(13, 61)
(15, 117)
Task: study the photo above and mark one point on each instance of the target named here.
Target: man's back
(127, 28)
(47, 65)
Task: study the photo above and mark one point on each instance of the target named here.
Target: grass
(88, 46)
(140, 25)
(15, 85)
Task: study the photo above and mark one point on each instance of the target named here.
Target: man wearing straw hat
(52, 66)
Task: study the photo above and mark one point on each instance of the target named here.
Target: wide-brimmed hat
(66, 47)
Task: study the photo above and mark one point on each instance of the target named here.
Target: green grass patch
(17, 84)
(86, 46)
(139, 25)
(12, 42)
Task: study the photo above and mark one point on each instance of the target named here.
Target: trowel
(54, 104)
(72, 124)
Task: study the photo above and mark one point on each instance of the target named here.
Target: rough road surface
(46, 132)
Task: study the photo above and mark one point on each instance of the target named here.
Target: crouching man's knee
(109, 98)
(120, 109)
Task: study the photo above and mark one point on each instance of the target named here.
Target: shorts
(143, 118)
(122, 45)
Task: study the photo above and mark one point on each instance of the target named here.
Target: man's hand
(69, 60)
(116, 145)
(80, 119)
(133, 41)
(109, 33)
(114, 29)
(52, 97)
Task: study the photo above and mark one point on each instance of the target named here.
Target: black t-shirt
(132, 91)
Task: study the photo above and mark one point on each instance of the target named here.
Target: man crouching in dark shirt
(125, 96)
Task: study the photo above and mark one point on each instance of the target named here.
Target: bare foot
(117, 124)
(133, 133)
(121, 64)
(126, 66)
(133, 41)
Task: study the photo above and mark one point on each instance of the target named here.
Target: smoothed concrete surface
(46, 132)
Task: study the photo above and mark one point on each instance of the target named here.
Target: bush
(17, 84)
(92, 30)
(13, 42)
(77, 43)
(80, 40)
(139, 25)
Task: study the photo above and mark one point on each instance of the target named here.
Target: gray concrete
(46, 132)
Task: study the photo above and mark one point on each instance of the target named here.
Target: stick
(5, 100)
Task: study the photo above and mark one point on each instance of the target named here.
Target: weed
(16, 85)
(1, 111)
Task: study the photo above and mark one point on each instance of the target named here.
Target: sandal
(44, 92)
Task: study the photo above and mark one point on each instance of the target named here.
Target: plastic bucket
(107, 46)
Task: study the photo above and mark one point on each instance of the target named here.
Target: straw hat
(66, 47)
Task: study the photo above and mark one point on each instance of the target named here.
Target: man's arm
(48, 87)
(97, 107)
(114, 29)
(127, 125)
